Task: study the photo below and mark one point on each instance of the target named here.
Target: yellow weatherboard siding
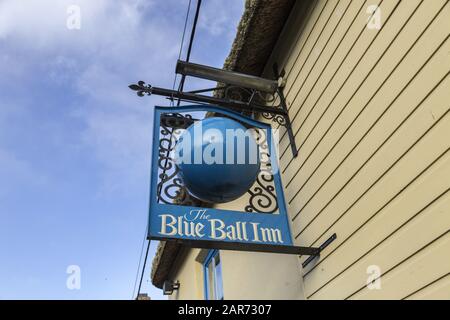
(370, 111)
(438, 290)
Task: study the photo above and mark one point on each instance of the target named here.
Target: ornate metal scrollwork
(248, 96)
(272, 105)
(263, 198)
(176, 120)
(170, 188)
(279, 119)
(237, 93)
(141, 88)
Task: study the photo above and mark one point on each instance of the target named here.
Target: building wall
(245, 275)
(259, 276)
(189, 273)
(370, 111)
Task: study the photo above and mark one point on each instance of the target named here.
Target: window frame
(206, 263)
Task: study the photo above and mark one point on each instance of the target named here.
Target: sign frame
(251, 228)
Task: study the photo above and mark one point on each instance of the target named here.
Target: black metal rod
(223, 245)
(191, 41)
(194, 28)
(286, 118)
(288, 124)
(207, 90)
(143, 269)
(213, 100)
(320, 249)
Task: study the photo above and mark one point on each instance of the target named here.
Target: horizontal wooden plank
(400, 176)
(439, 290)
(346, 31)
(293, 32)
(311, 27)
(361, 113)
(345, 78)
(395, 250)
(374, 155)
(349, 29)
(334, 75)
(369, 116)
(294, 36)
(352, 218)
(353, 240)
(424, 267)
(319, 40)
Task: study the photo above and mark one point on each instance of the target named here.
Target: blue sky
(75, 141)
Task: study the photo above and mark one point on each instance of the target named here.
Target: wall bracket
(240, 92)
(319, 250)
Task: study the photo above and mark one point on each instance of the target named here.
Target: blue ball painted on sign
(218, 159)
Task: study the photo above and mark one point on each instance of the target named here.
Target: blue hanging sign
(196, 177)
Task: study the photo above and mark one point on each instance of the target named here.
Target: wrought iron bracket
(319, 250)
(283, 105)
(176, 121)
(235, 97)
(142, 89)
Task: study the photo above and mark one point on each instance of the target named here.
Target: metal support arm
(257, 94)
(142, 89)
(319, 250)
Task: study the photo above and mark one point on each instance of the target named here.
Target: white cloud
(119, 42)
(44, 22)
(90, 114)
(115, 46)
(217, 14)
(109, 29)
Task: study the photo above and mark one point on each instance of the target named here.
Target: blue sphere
(218, 160)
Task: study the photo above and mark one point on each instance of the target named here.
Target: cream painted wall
(189, 273)
(259, 275)
(245, 274)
